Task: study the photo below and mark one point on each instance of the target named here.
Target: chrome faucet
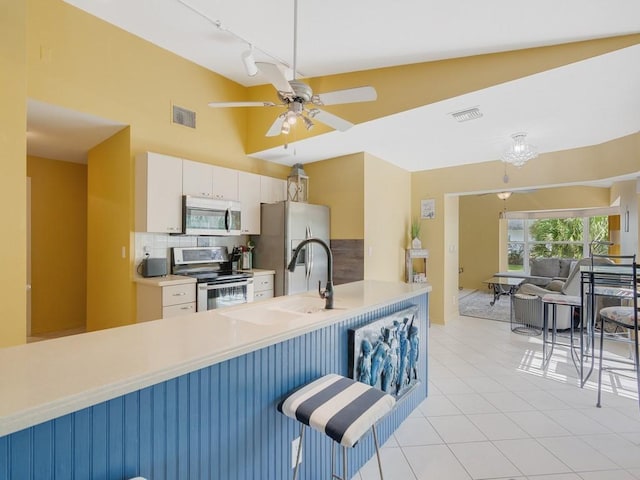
(327, 293)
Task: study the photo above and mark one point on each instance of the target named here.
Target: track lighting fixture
(249, 62)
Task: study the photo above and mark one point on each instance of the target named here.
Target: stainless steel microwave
(207, 216)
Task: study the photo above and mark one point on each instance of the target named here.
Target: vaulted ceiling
(517, 62)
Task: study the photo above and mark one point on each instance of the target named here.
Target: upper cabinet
(161, 180)
(204, 180)
(158, 193)
(197, 179)
(272, 190)
(249, 190)
(225, 183)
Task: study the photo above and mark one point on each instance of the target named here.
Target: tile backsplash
(159, 245)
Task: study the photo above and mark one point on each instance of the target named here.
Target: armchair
(570, 286)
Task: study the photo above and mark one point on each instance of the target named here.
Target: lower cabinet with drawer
(164, 301)
(262, 286)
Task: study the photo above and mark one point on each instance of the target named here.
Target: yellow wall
(110, 290)
(387, 217)
(85, 64)
(58, 244)
(13, 192)
(339, 183)
(479, 224)
(91, 66)
(369, 199)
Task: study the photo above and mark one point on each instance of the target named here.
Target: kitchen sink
(301, 305)
(282, 312)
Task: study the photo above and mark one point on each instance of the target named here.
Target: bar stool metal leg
(334, 475)
(598, 404)
(344, 463)
(375, 441)
(295, 470)
(333, 460)
(637, 362)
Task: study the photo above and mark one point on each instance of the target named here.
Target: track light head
(249, 62)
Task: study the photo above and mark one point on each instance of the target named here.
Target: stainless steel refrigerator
(283, 226)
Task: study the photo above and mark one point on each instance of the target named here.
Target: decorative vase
(416, 244)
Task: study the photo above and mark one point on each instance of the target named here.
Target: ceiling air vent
(182, 116)
(466, 115)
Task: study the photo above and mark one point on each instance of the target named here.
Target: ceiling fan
(298, 99)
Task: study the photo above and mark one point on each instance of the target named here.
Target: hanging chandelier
(520, 152)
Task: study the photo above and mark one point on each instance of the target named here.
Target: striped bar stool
(342, 409)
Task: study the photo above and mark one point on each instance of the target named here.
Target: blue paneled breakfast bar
(192, 397)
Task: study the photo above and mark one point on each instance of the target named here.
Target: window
(554, 237)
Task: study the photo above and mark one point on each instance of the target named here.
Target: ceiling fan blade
(350, 95)
(241, 104)
(330, 119)
(275, 76)
(276, 127)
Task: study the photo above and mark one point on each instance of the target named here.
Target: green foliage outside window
(563, 237)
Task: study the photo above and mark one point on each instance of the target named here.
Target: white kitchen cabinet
(249, 195)
(225, 183)
(158, 193)
(272, 190)
(156, 301)
(204, 180)
(262, 285)
(197, 179)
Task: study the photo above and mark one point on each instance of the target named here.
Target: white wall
(627, 194)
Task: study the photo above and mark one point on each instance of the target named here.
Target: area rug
(476, 304)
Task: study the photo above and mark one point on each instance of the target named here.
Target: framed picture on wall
(428, 208)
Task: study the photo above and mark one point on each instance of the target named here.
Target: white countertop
(168, 280)
(259, 271)
(44, 380)
(165, 281)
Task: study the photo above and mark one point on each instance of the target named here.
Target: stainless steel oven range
(218, 285)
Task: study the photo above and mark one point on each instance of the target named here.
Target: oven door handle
(218, 286)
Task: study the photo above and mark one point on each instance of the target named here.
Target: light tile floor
(492, 413)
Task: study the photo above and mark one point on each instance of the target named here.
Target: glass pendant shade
(520, 152)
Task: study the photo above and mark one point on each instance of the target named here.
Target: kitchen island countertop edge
(48, 379)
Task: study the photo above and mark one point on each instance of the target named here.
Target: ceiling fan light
(286, 128)
(292, 118)
(503, 195)
(307, 123)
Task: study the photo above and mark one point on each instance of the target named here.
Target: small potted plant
(415, 234)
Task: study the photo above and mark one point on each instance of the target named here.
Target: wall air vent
(182, 116)
(466, 115)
